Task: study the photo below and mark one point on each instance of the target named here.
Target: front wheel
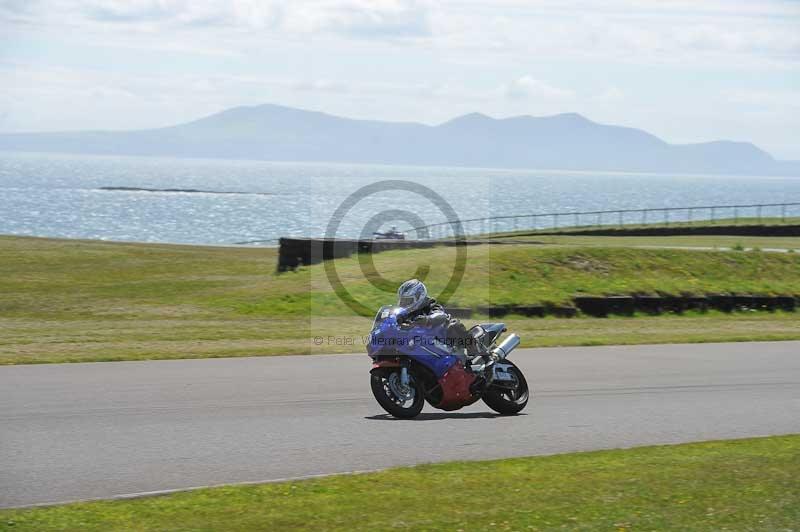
(508, 399)
(400, 401)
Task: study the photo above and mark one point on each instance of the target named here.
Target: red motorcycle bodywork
(455, 385)
(386, 364)
(455, 389)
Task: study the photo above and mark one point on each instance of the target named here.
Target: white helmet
(412, 295)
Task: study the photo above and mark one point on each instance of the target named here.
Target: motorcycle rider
(424, 311)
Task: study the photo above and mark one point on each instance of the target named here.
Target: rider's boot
(478, 363)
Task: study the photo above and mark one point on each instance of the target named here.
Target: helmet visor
(406, 301)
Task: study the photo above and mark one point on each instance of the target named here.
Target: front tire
(507, 401)
(403, 404)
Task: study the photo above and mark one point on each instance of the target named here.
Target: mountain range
(271, 132)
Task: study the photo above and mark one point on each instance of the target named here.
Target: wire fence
(759, 213)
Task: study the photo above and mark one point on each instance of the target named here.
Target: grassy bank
(44, 278)
(83, 301)
(727, 485)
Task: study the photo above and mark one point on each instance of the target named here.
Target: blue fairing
(423, 344)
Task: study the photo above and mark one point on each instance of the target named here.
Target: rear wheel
(400, 401)
(508, 399)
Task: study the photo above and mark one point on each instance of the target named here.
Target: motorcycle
(411, 365)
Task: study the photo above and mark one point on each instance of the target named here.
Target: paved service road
(74, 431)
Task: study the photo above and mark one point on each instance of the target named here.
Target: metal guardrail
(651, 217)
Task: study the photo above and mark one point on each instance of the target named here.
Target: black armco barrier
(677, 230)
(603, 306)
(296, 252)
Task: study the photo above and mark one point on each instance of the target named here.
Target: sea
(231, 202)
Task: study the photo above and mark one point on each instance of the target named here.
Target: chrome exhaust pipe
(506, 346)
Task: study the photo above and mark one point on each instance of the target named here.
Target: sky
(685, 70)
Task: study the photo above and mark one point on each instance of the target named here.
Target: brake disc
(403, 393)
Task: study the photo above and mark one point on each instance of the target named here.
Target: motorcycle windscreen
(384, 312)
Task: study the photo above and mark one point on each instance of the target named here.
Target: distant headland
(566, 141)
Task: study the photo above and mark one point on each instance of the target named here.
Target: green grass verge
(88, 301)
(726, 485)
(25, 341)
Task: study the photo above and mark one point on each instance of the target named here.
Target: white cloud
(250, 14)
(610, 95)
(642, 31)
(130, 10)
(320, 85)
(766, 99)
(530, 87)
(360, 18)
(354, 18)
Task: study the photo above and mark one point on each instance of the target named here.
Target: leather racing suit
(432, 314)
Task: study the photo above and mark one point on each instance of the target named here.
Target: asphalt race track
(76, 431)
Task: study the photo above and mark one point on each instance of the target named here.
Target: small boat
(391, 234)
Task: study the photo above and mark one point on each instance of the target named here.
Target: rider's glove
(421, 321)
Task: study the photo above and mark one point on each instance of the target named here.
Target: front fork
(404, 376)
